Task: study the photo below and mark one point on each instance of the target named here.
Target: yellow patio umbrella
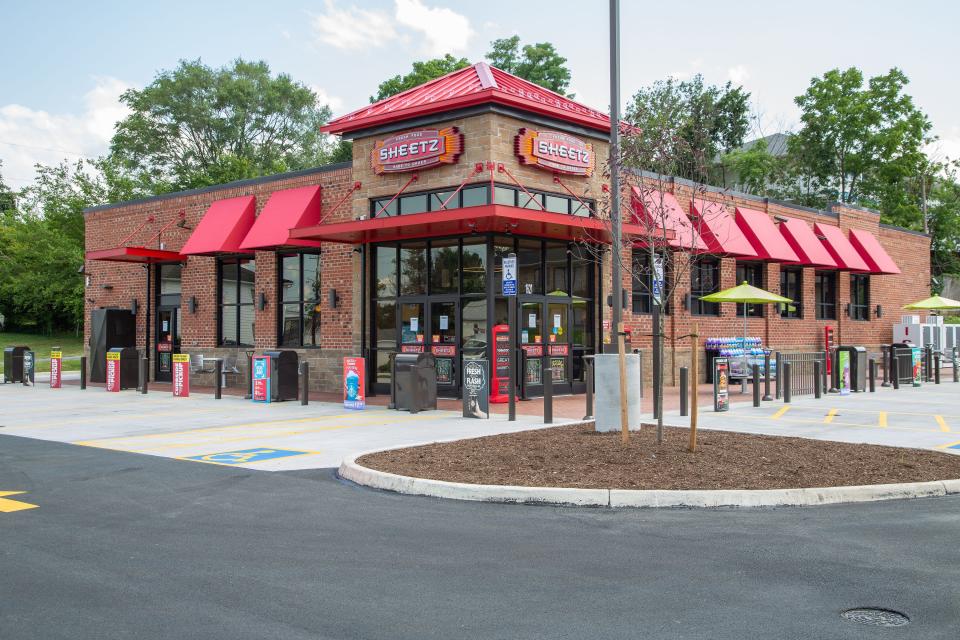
(934, 303)
(746, 294)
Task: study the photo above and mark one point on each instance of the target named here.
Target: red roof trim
(286, 209)
(719, 231)
(223, 227)
(873, 252)
(135, 254)
(840, 248)
(763, 235)
(805, 244)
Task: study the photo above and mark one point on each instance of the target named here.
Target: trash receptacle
(284, 375)
(415, 381)
(13, 364)
(903, 352)
(858, 367)
(129, 366)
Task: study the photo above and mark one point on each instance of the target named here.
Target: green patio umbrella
(934, 303)
(746, 294)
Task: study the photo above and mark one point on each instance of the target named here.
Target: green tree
(757, 170)
(944, 219)
(8, 198)
(702, 121)
(538, 63)
(196, 126)
(422, 72)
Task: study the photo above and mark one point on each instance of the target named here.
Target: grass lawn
(70, 344)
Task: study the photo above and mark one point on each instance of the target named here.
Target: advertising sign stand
(916, 352)
(56, 368)
(843, 372)
(721, 381)
(476, 389)
(510, 291)
(354, 384)
(29, 368)
(113, 371)
(181, 375)
(260, 379)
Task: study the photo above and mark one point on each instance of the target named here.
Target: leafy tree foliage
(538, 63)
(701, 120)
(196, 126)
(757, 169)
(944, 219)
(422, 72)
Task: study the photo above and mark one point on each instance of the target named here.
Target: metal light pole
(616, 247)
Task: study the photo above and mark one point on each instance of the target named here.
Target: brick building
(401, 250)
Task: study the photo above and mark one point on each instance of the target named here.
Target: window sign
(353, 383)
(532, 321)
(524, 336)
(444, 323)
(476, 389)
(556, 321)
(414, 324)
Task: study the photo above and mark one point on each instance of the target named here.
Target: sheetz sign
(414, 150)
(554, 151)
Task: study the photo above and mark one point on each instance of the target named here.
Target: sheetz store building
(400, 250)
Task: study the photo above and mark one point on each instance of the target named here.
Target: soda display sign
(917, 358)
(414, 150)
(56, 361)
(113, 371)
(181, 375)
(843, 369)
(353, 383)
(261, 379)
(721, 384)
(554, 151)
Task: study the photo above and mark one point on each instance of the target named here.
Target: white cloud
(738, 74)
(443, 30)
(29, 136)
(353, 29)
(334, 102)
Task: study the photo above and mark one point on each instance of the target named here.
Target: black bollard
(886, 351)
(766, 377)
(817, 380)
(249, 392)
(83, 372)
(589, 364)
(894, 369)
(936, 368)
(548, 395)
(779, 374)
(786, 382)
(144, 375)
(684, 390)
(928, 362)
(304, 383)
(218, 380)
(756, 385)
(956, 372)
(872, 364)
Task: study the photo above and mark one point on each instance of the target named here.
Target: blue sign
(261, 379)
(246, 456)
(510, 276)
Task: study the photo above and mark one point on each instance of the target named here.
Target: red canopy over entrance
(223, 227)
(285, 210)
(135, 254)
(805, 243)
(840, 248)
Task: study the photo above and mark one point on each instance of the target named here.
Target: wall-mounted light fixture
(332, 298)
(848, 310)
(106, 287)
(133, 306)
(879, 310)
(192, 304)
(262, 301)
(624, 297)
(779, 218)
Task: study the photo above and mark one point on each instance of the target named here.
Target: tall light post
(616, 248)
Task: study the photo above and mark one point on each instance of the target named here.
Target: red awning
(805, 244)
(764, 236)
(873, 252)
(285, 210)
(840, 248)
(487, 218)
(717, 228)
(223, 227)
(135, 254)
(655, 209)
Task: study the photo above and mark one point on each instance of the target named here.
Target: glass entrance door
(168, 341)
(558, 345)
(443, 345)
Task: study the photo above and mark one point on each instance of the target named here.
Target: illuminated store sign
(417, 150)
(554, 151)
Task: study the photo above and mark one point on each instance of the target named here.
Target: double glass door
(553, 333)
(168, 341)
(430, 325)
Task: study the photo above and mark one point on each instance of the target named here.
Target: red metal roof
(223, 227)
(135, 254)
(717, 228)
(656, 209)
(805, 243)
(470, 86)
(285, 210)
(840, 248)
(764, 236)
(873, 252)
(481, 219)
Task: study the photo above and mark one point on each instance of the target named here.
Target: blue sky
(68, 61)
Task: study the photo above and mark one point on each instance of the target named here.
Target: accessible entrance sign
(261, 379)
(476, 389)
(56, 360)
(113, 371)
(181, 375)
(510, 276)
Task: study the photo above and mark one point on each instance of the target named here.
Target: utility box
(929, 333)
(415, 377)
(13, 364)
(284, 375)
(129, 366)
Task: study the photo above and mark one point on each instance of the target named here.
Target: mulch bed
(577, 456)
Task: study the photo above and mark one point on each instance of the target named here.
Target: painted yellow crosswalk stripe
(942, 423)
(882, 418)
(9, 506)
(829, 417)
(780, 412)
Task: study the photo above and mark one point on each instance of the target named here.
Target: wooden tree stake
(624, 426)
(694, 375)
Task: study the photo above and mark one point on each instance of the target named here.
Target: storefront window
(642, 283)
(300, 300)
(386, 322)
(529, 264)
(236, 289)
(791, 280)
(169, 278)
(704, 280)
(556, 269)
(475, 196)
(474, 266)
(413, 204)
(505, 195)
(826, 294)
(444, 266)
(385, 275)
(474, 329)
(437, 201)
(581, 272)
(413, 269)
(752, 274)
(557, 204)
(859, 296)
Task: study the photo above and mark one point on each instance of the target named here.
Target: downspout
(146, 340)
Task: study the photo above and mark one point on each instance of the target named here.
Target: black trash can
(284, 375)
(903, 352)
(415, 381)
(858, 368)
(13, 364)
(129, 366)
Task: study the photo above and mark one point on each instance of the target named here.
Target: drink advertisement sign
(843, 368)
(181, 375)
(353, 383)
(113, 371)
(554, 151)
(476, 389)
(261, 379)
(917, 354)
(56, 362)
(414, 150)
(721, 384)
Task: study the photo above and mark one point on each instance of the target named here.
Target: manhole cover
(876, 617)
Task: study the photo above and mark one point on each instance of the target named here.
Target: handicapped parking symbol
(244, 456)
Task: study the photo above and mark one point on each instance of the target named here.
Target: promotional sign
(721, 388)
(448, 350)
(181, 375)
(554, 151)
(113, 371)
(476, 392)
(501, 364)
(29, 366)
(261, 379)
(416, 150)
(353, 383)
(828, 346)
(917, 354)
(843, 367)
(56, 362)
(510, 276)
(658, 280)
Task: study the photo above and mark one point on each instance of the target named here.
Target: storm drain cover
(876, 617)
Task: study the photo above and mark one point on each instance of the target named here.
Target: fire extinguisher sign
(56, 360)
(181, 375)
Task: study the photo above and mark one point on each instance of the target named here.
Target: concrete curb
(350, 470)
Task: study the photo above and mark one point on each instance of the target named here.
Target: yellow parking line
(948, 445)
(829, 417)
(942, 423)
(744, 416)
(780, 412)
(882, 418)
